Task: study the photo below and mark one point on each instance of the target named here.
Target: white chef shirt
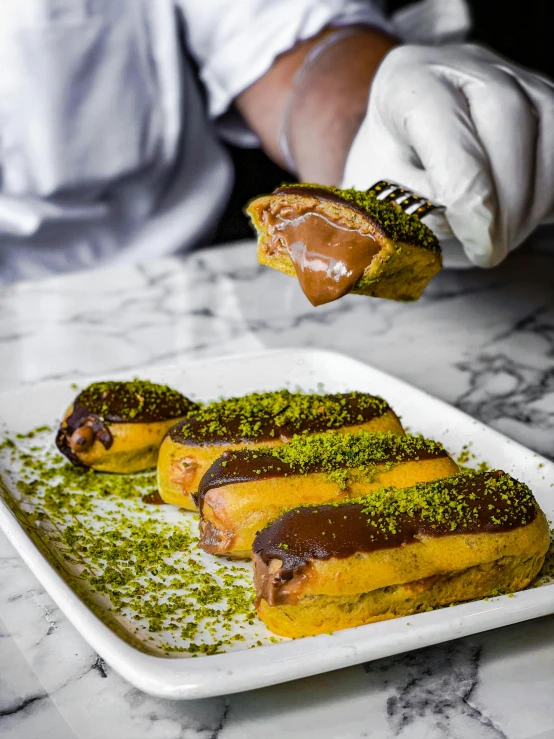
(107, 150)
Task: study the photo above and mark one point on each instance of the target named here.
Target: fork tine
(409, 201)
(404, 198)
(427, 208)
(394, 194)
(379, 186)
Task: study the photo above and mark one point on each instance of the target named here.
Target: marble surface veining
(482, 340)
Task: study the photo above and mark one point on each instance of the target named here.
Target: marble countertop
(483, 341)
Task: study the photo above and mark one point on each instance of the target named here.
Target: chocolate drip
(322, 532)
(386, 218)
(153, 498)
(81, 418)
(329, 258)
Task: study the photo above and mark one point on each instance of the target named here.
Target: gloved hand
(469, 130)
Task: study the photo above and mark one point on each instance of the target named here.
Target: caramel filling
(328, 258)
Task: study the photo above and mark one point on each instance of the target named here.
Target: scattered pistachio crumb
(126, 558)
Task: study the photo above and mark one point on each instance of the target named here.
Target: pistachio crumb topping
(457, 501)
(345, 457)
(271, 414)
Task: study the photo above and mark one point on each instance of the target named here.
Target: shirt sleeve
(235, 43)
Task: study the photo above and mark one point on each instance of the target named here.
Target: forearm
(327, 105)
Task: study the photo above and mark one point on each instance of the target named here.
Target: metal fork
(406, 199)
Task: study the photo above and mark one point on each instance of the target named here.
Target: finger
(440, 129)
(541, 93)
(506, 124)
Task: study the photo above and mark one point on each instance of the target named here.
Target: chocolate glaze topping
(138, 401)
(480, 503)
(368, 450)
(229, 422)
(153, 498)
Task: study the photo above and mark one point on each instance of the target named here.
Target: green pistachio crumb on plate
(136, 565)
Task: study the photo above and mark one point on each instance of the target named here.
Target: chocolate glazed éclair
(328, 258)
(323, 532)
(246, 465)
(84, 425)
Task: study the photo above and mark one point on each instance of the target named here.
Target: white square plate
(245, 668)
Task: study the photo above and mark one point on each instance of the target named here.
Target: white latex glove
(469, 130)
